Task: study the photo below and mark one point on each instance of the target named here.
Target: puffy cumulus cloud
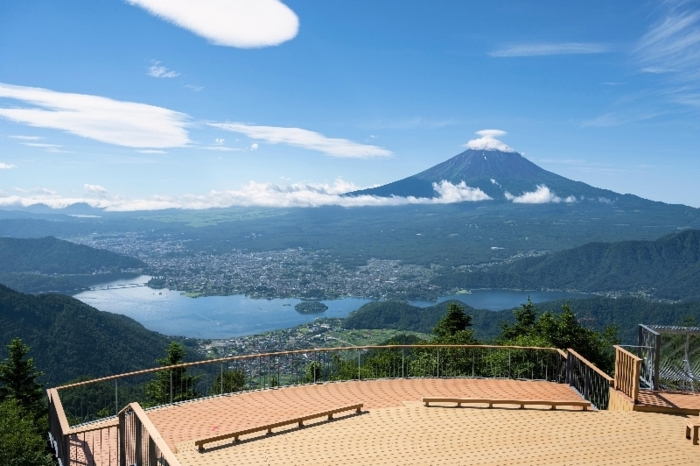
(542, 195)
(451, 193)
(128, 124)
(6, 166)
(335, 147)
(253, 194)
(488, 141)
(233, 23)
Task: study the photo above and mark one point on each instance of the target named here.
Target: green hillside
(668, 268)
(70, 339)
(596, 313)
(50, 255)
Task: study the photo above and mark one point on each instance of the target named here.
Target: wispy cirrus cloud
(250, 194)
(672, 45)
(121, 123)
(26, 138)
(157, 70)
(297, 137)
(543, 49)
(6, 166)
(233, 23)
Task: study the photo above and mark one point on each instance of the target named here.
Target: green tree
(174, 383)
(563, 331)
(233, 381)
(18, 376)
(313, 372)
(453, 329)
(20, 443)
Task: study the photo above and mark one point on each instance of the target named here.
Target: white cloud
(488, 141)
(6, 166)
(672, 45)
(254, 146)
(234, 23)
(542, 195)
(26, 138)
(219, 148)
(306, 139)
(41, 144)
(156, 70)
(128, 124)
(152, 151)
(193, 88)
(219, 141)
(95, 189)
(252, 194)
(534, 50)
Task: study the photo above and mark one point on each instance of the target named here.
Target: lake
(171, 313)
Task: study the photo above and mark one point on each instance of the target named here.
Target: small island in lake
(310, 307)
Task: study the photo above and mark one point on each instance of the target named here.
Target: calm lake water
(172, 313)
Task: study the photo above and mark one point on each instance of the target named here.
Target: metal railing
(95, 403)
(91, 400)
(140, 443)
(649, 349)
(592, 383)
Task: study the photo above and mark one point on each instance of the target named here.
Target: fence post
(116, 397)
(403, 357)
(222, 378)
(152, 454)
(359, 371)
(587, 383)
(657, 359)
(171, 386)
(569, 372)
(138, 432)
(122, 438)
(438, 363)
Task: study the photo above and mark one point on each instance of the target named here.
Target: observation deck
(393, 427)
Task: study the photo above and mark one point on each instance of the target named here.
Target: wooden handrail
(154, 435)
(627, 370)
(268, 427)
(492, 401)
(303, 351)
(58, 406)
(592, 366)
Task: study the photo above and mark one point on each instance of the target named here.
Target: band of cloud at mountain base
(250, 194)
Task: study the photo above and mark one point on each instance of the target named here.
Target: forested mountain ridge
(51, 255)
(668, 268)
(69, 338)
(596, 313)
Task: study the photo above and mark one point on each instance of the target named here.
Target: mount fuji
(502, 175)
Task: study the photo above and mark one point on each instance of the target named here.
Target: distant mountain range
(668, 268)
(502, 176)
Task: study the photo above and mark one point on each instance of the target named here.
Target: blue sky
(143, 104)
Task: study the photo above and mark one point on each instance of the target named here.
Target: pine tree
(18, 378)
(173, 384)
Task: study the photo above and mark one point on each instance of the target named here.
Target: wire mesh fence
(671, 357)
